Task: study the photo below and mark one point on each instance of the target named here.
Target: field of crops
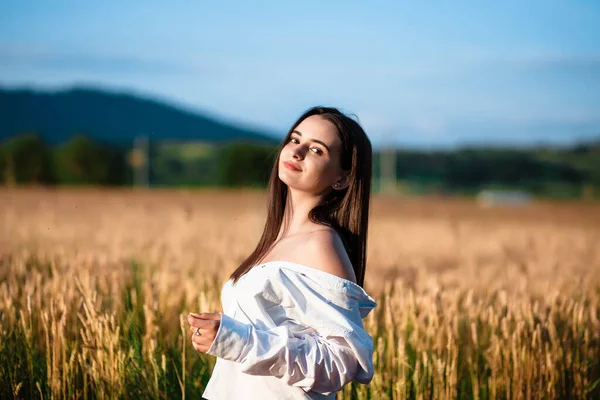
(473, 302)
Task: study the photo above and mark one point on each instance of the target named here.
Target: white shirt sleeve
(330, 349)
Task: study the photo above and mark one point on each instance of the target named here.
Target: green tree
(84, 161)
(25, 158)
(244, 164)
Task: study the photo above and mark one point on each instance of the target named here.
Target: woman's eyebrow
(314, 140)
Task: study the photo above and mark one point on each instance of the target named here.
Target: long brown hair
(346, 211)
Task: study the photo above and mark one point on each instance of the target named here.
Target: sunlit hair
(346, 211)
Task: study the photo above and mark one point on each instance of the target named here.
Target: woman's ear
(341, 183)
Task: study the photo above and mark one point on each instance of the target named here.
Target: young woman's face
(311, 159)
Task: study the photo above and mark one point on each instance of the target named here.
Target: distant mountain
(110, 117)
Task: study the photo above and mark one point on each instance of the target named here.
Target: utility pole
(140, 161)
(387, 165)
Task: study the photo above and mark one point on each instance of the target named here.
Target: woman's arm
(306, 359)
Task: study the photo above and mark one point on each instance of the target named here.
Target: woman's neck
(297, 209)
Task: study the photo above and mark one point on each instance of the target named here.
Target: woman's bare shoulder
(325, 250)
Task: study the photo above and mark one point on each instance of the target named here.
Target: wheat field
(473, 302)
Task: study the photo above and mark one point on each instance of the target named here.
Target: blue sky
(415, 74)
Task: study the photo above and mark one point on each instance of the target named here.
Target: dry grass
(473, 303)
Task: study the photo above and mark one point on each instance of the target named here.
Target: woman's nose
(298, 152)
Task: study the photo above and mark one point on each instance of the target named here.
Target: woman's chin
(291, 183)
(285, 177)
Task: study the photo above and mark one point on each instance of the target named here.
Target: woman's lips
(291, 166)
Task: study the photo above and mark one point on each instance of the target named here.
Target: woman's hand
(204, 328)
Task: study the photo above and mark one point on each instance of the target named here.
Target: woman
(291, 326)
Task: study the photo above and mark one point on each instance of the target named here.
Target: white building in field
(491, 198)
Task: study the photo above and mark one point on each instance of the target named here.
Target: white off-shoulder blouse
(289, 331)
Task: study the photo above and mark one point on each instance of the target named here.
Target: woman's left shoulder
(325, 251)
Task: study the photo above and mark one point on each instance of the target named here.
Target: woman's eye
(294, 140)
(316, 150)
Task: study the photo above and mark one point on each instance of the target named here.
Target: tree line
(27, 159)
(558, 172)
